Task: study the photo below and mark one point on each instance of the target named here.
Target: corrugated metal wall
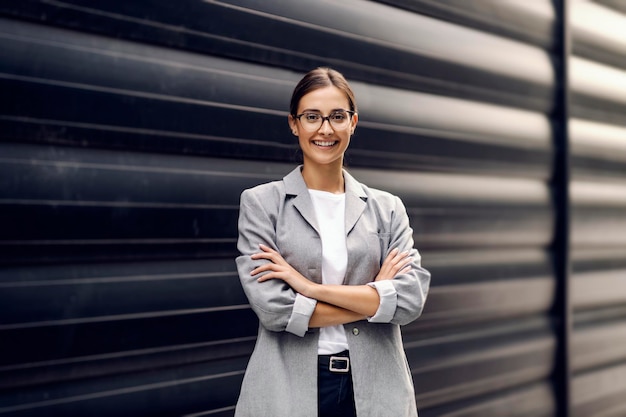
(598, 140)
(129, 129)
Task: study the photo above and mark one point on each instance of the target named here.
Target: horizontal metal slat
(489, 300)
(596, 259)
(379, 24)
(598, 215)
(427, 133)
(530, 22)
(614, 4)
(535, 400)
(600, 392)
(181, 389)
(598, 344)
(37, 373)
(74, 302)
(598, 150)
(599, 289)
(84, 297)
(106, 334)
(358, 48)
(477, 360)
(121, 199)
(599, 32)
(598, 92)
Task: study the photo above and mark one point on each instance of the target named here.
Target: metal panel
(132, 128)
(370, 42)
(529, 22)
(600, 34)
(599, 209)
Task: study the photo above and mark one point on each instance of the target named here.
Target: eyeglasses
(339, 120)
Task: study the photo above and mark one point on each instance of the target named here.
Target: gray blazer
(281, 377)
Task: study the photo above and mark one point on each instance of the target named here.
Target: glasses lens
(339, 119)
(311, 121)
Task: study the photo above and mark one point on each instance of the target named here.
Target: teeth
(318, 143)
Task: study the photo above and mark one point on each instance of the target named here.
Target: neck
(324, 178)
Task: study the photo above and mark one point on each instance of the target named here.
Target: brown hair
(320, 78)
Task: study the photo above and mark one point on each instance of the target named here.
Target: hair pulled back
(319, 78)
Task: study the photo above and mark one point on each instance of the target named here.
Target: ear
(293, 125)
(355, 120)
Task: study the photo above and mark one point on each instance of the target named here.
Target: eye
(339, 116)
(311, 117)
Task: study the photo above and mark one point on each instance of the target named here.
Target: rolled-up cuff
(388, 301)
(303, 309)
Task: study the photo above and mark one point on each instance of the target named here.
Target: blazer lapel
(355, 201)
(295, 186)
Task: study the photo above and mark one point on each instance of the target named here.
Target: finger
(389, 259)
(273, 257)
(400, 256)
(261, 255)
(396, 256)
(391, 254)
(403, 262)
(394, 263)
(274, 274)
(266, 248)
(266, 277)
(270, 254)
(406, 270)
(263, 268)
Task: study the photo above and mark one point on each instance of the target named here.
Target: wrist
(311, 290)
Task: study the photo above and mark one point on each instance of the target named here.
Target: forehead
(324, 99)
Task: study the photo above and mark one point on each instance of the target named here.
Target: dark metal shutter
(129, 130)
(598, 139)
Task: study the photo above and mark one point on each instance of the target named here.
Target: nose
(326, 128)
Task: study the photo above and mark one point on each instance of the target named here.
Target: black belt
(337, 363)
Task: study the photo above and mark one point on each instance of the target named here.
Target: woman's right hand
(395, 263)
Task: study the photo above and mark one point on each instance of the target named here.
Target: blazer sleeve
(402, 299)
(277, 306)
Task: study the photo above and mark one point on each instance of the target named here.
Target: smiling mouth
(324, 144)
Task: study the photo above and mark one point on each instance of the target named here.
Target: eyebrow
(319, 111)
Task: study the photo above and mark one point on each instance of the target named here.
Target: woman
(329, 267)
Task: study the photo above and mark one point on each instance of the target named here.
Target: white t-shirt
(330, 211)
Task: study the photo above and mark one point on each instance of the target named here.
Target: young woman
(329, 267)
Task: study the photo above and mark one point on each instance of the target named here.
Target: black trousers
(335, 392)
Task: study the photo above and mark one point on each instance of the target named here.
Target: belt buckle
(339, 364)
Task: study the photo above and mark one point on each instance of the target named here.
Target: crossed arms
(337, 304)
(285, 300)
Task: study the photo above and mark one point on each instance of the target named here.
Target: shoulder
(380, 198)
(369, 194)
(263, 189)
(262, 201)
(292, 183)
(387, 206)
(268, 192)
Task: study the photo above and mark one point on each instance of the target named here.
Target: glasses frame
(324, 118)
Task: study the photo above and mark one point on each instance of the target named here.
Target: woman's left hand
(278, 268)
